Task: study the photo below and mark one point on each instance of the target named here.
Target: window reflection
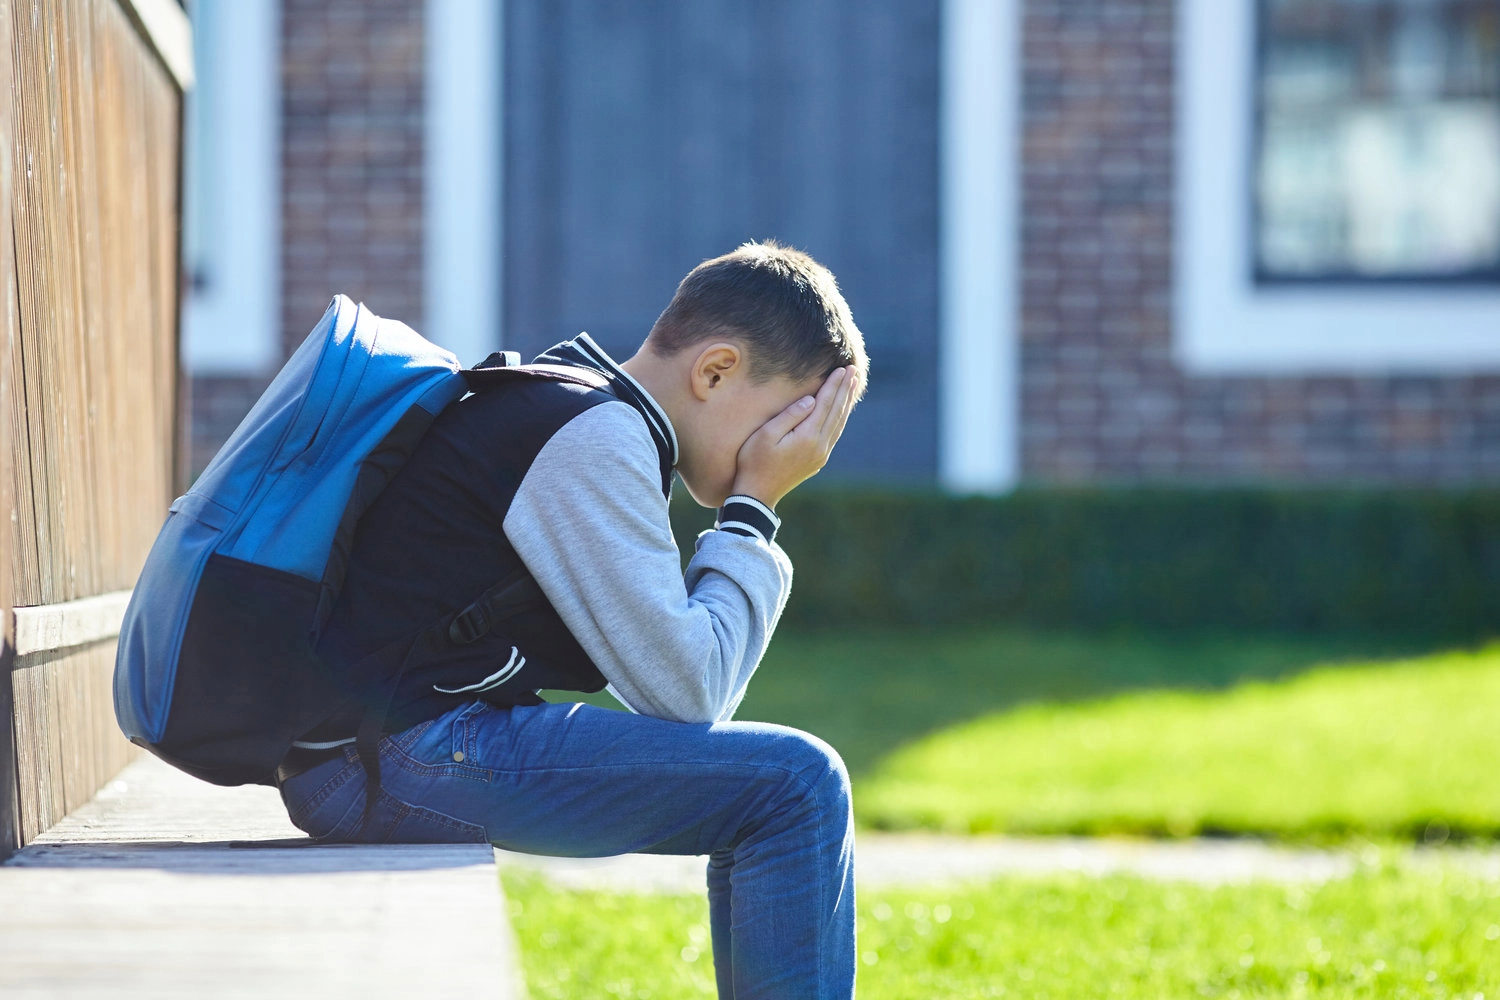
(1379, 145)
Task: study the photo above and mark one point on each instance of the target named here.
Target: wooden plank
(74, 623)
(9, 821)
(32, 534)
(126, 391)
(74, 234)
(43, 350)
(68, 744)
(73, 747)
(165, 115)
(81, 162)
(25, 569)
(99, 177)
(166, 886)
(38, 751)
(22, 725)
(51, 758)
(10, 833)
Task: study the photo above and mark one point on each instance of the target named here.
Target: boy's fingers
(838, 410)
(834, 386)
(835, 427)
(856, 383)
(788, 419)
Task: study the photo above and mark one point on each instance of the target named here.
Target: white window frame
(979, 165)
(463, 177)
(1224, 322)
(233, 325)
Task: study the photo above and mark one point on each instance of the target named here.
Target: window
(231, 211)
(1378, 146)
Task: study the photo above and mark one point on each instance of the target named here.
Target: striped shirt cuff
(747, 516)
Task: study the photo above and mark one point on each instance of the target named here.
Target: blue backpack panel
(216, 671)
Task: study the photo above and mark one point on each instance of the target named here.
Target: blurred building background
(1089, 241)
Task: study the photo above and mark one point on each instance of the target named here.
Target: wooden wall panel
(9, 816)
(66, 736)
(91, 418)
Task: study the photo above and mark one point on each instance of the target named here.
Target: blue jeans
(768, 804)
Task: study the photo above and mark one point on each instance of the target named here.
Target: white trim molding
(165, 25)
(1224, 322)
(46, 627)
(231, 324)
(463, 176)
(979, 161)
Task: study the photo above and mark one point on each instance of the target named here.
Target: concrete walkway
(164, 886)
(920, 859)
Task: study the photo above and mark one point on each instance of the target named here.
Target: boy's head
(781, 305)
(745, 336)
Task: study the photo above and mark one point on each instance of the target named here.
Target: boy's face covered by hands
(759, 438)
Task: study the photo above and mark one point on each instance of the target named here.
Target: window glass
(1378, 154)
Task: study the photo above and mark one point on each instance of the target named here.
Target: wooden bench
(164, 886)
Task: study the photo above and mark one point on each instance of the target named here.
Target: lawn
(1021, 731)
(1386, 932)
(998, 729)
(1407, 750)
(869, 692)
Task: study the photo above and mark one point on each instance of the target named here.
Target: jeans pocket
(320, 802)
(464, 731)
(405, 823)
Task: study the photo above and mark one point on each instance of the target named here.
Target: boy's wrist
(760, 491)
(750, 516)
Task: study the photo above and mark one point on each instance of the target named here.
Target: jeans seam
(715, 764)
(325, 791)
(401, 810)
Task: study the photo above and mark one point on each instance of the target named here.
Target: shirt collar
(583, 351)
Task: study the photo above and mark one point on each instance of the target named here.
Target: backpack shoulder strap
(505, 366)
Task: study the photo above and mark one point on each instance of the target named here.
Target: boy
(742, 386)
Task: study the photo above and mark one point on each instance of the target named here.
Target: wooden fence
(89, 423)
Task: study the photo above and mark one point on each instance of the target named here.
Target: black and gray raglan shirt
(589, 521)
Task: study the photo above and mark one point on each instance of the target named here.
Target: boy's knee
(817, 764)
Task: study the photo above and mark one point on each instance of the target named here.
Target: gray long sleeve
(590, 523)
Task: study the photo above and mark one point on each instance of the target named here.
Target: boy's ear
(712, 366)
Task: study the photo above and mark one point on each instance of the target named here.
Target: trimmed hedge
(1386, 561)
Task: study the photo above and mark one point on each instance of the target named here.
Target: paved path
(164, 886)
(931, 859)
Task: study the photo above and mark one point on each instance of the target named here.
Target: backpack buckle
(470, 624)
(500, 359)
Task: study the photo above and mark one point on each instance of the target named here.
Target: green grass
(1012, 730)
(870, 691)
(1402, 750)
(1383, 933)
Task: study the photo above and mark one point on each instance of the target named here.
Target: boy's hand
(793, 445)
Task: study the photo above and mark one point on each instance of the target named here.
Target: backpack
(216, 670)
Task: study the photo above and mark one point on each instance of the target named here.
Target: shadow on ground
(870, 691)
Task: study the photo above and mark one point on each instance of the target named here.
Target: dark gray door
(643, 136)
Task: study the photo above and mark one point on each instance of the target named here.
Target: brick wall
(351, 75)
(1102, 399)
